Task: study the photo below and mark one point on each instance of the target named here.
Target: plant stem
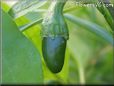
(80, 69)
(81, 74)
(59, 6)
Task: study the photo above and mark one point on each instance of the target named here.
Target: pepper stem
(54, 24)
(59, 6)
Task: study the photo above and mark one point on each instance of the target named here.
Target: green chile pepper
(54, 34)
(54, 52)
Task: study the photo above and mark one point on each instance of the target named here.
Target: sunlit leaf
(4, 6)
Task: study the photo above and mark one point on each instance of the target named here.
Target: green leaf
(108, 14)
(22, 7)
(111, 10)
(110, 6)
(98, 30)
(21, 61)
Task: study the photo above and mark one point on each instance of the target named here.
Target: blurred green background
(89, 53)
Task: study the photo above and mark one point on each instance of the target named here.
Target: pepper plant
(57, 42)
